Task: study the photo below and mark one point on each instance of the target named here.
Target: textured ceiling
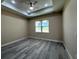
(22, 6)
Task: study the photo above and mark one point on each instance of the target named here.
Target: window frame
(42, 27)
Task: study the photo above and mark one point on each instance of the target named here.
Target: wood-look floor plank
(34, 49)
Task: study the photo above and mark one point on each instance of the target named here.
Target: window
(38, 26)
(42, 26)
(45, 26)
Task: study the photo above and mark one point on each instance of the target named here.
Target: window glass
(42, 26)
(45, 26)
(38, 26)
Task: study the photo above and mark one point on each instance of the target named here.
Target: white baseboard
(30, 37)
(70, 57)
(46, 39)
(13, 41)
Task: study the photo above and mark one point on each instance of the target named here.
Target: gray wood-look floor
(34, 49)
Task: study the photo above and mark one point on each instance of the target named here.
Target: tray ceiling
(41, 7)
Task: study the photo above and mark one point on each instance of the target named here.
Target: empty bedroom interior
(38, 29)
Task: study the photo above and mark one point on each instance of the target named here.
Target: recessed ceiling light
(46, 5)
(13, 1)
(31, 8)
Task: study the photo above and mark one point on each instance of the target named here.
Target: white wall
(70, 27)
(13, 27)
(55, 26)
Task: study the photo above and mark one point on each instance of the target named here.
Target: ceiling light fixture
(13, 1)
(31, 8)
(31, 4)
(46, 5)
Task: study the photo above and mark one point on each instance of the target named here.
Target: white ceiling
(22, 6)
